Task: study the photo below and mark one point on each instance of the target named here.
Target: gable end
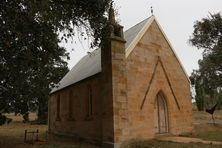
(141, 34)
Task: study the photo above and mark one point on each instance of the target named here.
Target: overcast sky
(176, 17)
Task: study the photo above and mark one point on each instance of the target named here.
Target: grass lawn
(12, 135)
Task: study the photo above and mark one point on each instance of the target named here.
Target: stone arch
(161, 116)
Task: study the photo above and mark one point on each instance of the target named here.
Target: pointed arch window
(70, 105)
(58, 108)
(89, 104)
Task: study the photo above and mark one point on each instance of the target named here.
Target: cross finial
(151, 10)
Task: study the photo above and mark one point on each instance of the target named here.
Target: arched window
(70, 105)
(89, 106)
(58, 108)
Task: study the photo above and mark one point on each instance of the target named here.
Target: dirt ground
(12, 135)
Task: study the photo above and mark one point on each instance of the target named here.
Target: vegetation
(31, 61)
(207, 79)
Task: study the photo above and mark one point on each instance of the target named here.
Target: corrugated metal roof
(90, 64)
(132, 32)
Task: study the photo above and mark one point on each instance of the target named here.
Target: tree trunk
(42, 110)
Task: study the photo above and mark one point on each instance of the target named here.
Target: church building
(135, 87)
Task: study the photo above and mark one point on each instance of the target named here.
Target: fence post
(37, 135)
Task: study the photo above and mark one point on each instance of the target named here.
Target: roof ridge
(138, 24)
(136, 34)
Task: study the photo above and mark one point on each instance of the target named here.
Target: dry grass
(203, 117)
(12, 135)
(204, 127)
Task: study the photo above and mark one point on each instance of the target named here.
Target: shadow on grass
(165, 144)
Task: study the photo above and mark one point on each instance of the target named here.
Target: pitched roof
(131, 34)
(90, 64)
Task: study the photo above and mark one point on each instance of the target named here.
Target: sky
(176, 17)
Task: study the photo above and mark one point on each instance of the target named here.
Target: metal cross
(151, 10)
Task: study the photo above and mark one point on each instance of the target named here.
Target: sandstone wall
(120, 110)
(140, 66)
(81, 125)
